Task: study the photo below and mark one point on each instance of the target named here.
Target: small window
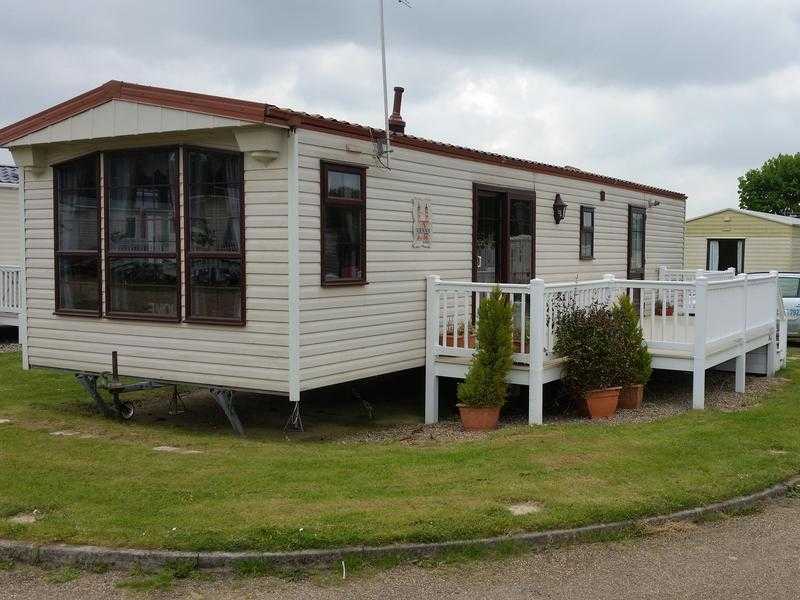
(344, 223)
(142, 268)
(215, 248)
(587, 232)
(77, 236)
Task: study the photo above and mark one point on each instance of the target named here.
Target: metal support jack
(122, 409)
(295, 423)
(88, 381)
(369, 410)
(176, 404)
(224, 398)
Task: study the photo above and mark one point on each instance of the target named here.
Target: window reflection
(146, 286)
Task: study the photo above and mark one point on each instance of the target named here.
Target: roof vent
(396, 123)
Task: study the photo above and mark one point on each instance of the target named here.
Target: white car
(789, 286)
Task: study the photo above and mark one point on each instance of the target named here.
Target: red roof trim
(257, 112)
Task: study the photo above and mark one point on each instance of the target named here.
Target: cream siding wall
(353, 332)
(10, 236)
(251, 357)
(768, 245)
(795, 264)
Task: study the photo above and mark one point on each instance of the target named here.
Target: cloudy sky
(679, 94)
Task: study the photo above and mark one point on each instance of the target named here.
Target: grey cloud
(680, 94)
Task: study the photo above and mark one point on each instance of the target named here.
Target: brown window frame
(108, 255)
(188, 254)
(586, 230)
(56, 242)
(325, 200)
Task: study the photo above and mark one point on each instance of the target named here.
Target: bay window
(141, 219)
(344, 223)
(77, 236)
(214, 244)
(142, 270)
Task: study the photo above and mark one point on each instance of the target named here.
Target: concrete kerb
(96, 556)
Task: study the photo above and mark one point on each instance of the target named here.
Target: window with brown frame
(215, 291)
(76, 197)
(587, 232)
(142, 233)
(343, 209)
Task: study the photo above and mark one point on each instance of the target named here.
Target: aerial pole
(385, 85)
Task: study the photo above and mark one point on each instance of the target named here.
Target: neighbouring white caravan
(10, 246)
(239, 245)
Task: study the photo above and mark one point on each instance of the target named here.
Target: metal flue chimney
(396, 123)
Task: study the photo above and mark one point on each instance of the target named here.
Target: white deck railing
(694, 319)
(10, 296)
(669, 274)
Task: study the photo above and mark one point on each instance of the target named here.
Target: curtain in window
(713, 255)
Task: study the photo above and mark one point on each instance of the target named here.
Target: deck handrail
(10, 289)
(666, 273)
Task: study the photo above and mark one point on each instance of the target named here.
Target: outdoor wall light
(559, 209)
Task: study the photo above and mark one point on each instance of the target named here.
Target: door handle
(479, 261)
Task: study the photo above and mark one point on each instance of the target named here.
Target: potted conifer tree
(484, 390)
(637, 361)
(590, 342)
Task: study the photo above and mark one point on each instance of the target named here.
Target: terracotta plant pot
(518, 346)
(602, 403)
(453, 341)
(631, 396)
(479, 419)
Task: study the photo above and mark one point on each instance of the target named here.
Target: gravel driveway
(756, 556)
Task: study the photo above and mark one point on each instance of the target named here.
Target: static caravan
(10, 246)
(242, 246)
(746, 240)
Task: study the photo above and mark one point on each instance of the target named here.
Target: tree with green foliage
(485, 384)
(636, 359)
(774, 188)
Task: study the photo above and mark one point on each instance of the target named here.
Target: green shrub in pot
(485, 388)
(636, 358)
(591, 342)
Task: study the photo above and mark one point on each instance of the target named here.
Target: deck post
(699, 358)
(609, 278)
(536, 348)
(741, 359)
(431, 335)
(772, 348)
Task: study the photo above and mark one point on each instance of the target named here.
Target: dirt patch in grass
(25, 518)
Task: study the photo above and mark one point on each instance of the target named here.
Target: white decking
(10, 296)
(690, 324)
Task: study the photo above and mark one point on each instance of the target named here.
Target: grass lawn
(272, 492)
